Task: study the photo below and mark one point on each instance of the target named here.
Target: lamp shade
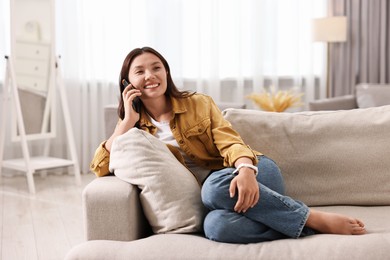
(330, 29)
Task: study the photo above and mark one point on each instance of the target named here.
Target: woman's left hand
(246, 185)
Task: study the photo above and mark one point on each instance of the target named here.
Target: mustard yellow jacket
(201, 132)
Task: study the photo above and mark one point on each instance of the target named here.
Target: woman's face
(147, 73)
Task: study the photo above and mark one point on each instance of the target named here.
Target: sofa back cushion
(326, 157)
(170, 194)
(371, 95)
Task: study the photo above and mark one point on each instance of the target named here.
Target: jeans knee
(207, 194)
(214, 226)
(215, 191)
(268, 165)
(210, 197)
(270, 175)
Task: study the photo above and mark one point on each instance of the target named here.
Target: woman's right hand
(131, 116)
(128, 95)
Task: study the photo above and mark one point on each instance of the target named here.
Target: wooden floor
(41, 226)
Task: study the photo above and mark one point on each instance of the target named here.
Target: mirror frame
(48, 127)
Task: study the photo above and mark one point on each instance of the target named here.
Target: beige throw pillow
(170, 194)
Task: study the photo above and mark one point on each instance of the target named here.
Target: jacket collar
(178, 107)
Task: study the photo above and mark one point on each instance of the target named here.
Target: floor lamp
(330, 30)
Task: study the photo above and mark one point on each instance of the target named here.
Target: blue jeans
(275, 216)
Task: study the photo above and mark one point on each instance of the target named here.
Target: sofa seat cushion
(170, 194)
(374, 245)
(326, 157)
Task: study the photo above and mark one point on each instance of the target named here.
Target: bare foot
(332, 223)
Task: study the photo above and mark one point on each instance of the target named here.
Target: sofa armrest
(337, 103)
(112, 211)
(110, 119)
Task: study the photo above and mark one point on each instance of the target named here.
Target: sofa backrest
(326, 157)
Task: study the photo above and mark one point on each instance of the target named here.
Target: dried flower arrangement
(276, 101)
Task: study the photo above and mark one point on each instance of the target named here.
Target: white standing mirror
(32, 54)
(33, 75)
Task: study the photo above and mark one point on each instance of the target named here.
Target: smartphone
(136, 101)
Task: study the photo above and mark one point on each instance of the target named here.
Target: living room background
(227, 49)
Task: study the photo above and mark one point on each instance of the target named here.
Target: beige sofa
(336, 161)
(366, 95)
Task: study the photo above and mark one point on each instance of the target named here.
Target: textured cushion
(170, 194)
(368, 95)
(327, 158)
(112, 210)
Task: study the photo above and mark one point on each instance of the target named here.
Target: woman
(242, 188)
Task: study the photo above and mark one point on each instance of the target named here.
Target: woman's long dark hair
(172, 90)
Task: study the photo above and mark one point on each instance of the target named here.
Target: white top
(164, 134)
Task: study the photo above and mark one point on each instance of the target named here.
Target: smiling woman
(150, 74)
(199, 138)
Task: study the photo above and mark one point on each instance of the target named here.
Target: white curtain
(4, 37)
(224, 48)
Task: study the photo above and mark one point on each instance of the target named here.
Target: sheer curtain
(224, 48)
(4, 37)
